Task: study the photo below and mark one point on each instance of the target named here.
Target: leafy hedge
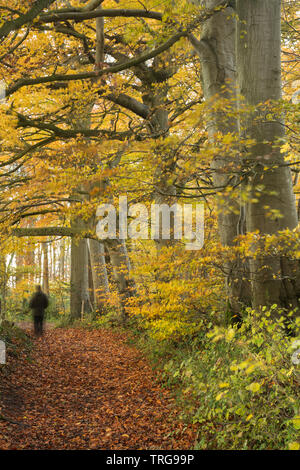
(239, 384)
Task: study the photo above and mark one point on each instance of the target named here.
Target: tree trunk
(3, 286)
(53, 270)
(80, 299)
(45, 268)
(19, 269)
(271, 205)
(120, 264)
(80, 302)
(99, 274)
(62, 260)
(164, 192)
(39, 264)
(91, 280)
(216, 50)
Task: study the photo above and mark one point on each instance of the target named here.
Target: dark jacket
(38, 303)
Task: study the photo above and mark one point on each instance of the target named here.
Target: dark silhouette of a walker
(38, 303)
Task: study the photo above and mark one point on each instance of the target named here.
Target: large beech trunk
(80, 299)
(270, 183)
(216, 50)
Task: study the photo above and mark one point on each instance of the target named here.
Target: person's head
(38, 288)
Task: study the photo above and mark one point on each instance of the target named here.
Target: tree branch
(13, 25)
(23, 121)
(115, 68)
(129, 103)
(109, 13)
(51, 231)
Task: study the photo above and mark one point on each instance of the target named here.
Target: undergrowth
(17, 343)
(240, 385)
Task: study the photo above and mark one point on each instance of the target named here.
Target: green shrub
(243, 387)
(239, 384)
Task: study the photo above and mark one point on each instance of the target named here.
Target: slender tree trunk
(53, 271)
(271, 205)
(3, 286)
(99, 274)
(50, 261)
(62, 259)
(91, 280)
(120, 264)
(45, 268)
(19, 269)
(39, 265)
(155, 98)
(29, 263)
(68, 260)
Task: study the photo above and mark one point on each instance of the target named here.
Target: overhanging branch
(108, 13)
(23, 121)
(50, 231)
(183, 32)
(34, 11)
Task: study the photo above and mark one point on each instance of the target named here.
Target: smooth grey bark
(62, 259)
(217, 52)
(80, 299)
(38, 278)
(45, 283)
(53, 261)
(259, 77)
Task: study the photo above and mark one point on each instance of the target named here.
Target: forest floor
(87, 389)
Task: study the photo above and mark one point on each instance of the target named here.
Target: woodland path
(87, 389)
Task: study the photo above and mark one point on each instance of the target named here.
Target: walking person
(38, 303)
